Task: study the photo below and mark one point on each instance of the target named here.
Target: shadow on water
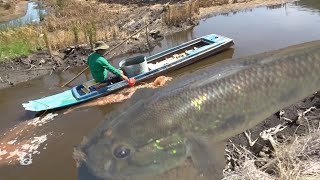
(254, 31)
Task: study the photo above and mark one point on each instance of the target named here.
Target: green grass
(14, 49)
(19, 41)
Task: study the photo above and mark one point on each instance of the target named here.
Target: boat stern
(56, 101)
(215, 38)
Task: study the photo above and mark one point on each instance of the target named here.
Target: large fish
(194, 114)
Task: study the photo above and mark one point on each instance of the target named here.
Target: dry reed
(182, 12)
(297, 160)
(301, 159)
(47, 42)
(82, 22)
(73, 22)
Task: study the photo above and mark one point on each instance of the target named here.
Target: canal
(33, 14)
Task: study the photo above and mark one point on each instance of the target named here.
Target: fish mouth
(111, 170)
(104, 172)
(84, 173)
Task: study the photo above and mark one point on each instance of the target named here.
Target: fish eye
(121, 152)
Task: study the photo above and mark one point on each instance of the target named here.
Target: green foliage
(18, 41)
(14, 49)
(176, 14)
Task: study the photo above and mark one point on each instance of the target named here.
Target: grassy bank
(71, 22)
(76, 22)
(19, 41)
(25, 40)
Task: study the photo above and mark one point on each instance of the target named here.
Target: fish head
(127, 148)
(118, 158)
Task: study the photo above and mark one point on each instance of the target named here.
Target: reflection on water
(309, 4)
(179, 38)
(277, 6)
(33, 14)
(265, 29)
(254, 31)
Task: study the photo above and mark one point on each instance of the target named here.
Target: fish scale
(194, 114)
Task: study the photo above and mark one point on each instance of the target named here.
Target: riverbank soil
(115, 21)
(284, 146)
(10, 10)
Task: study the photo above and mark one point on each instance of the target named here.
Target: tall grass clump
(47, 42)
(82, 22)
(91, 32)
(76, 33)
(179, 13)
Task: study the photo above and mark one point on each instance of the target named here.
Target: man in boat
(99, 67)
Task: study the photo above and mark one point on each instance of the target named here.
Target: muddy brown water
(254, 31)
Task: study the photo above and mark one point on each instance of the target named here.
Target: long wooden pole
(108, 53)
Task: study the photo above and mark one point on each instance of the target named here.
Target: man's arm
(112, 69)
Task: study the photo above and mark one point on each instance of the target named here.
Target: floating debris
(21, 142)
(12, 142)
(41, 121)
(27, 150)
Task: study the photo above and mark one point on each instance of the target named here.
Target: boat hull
(56, 101)
(202, 47)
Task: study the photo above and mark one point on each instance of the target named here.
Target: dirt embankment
(284, 146)
(160, 13)
(10, 10)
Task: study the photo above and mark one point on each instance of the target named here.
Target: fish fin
(208, 157)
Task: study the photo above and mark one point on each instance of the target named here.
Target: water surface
(33, 15)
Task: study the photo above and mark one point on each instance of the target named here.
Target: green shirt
(99, 65)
